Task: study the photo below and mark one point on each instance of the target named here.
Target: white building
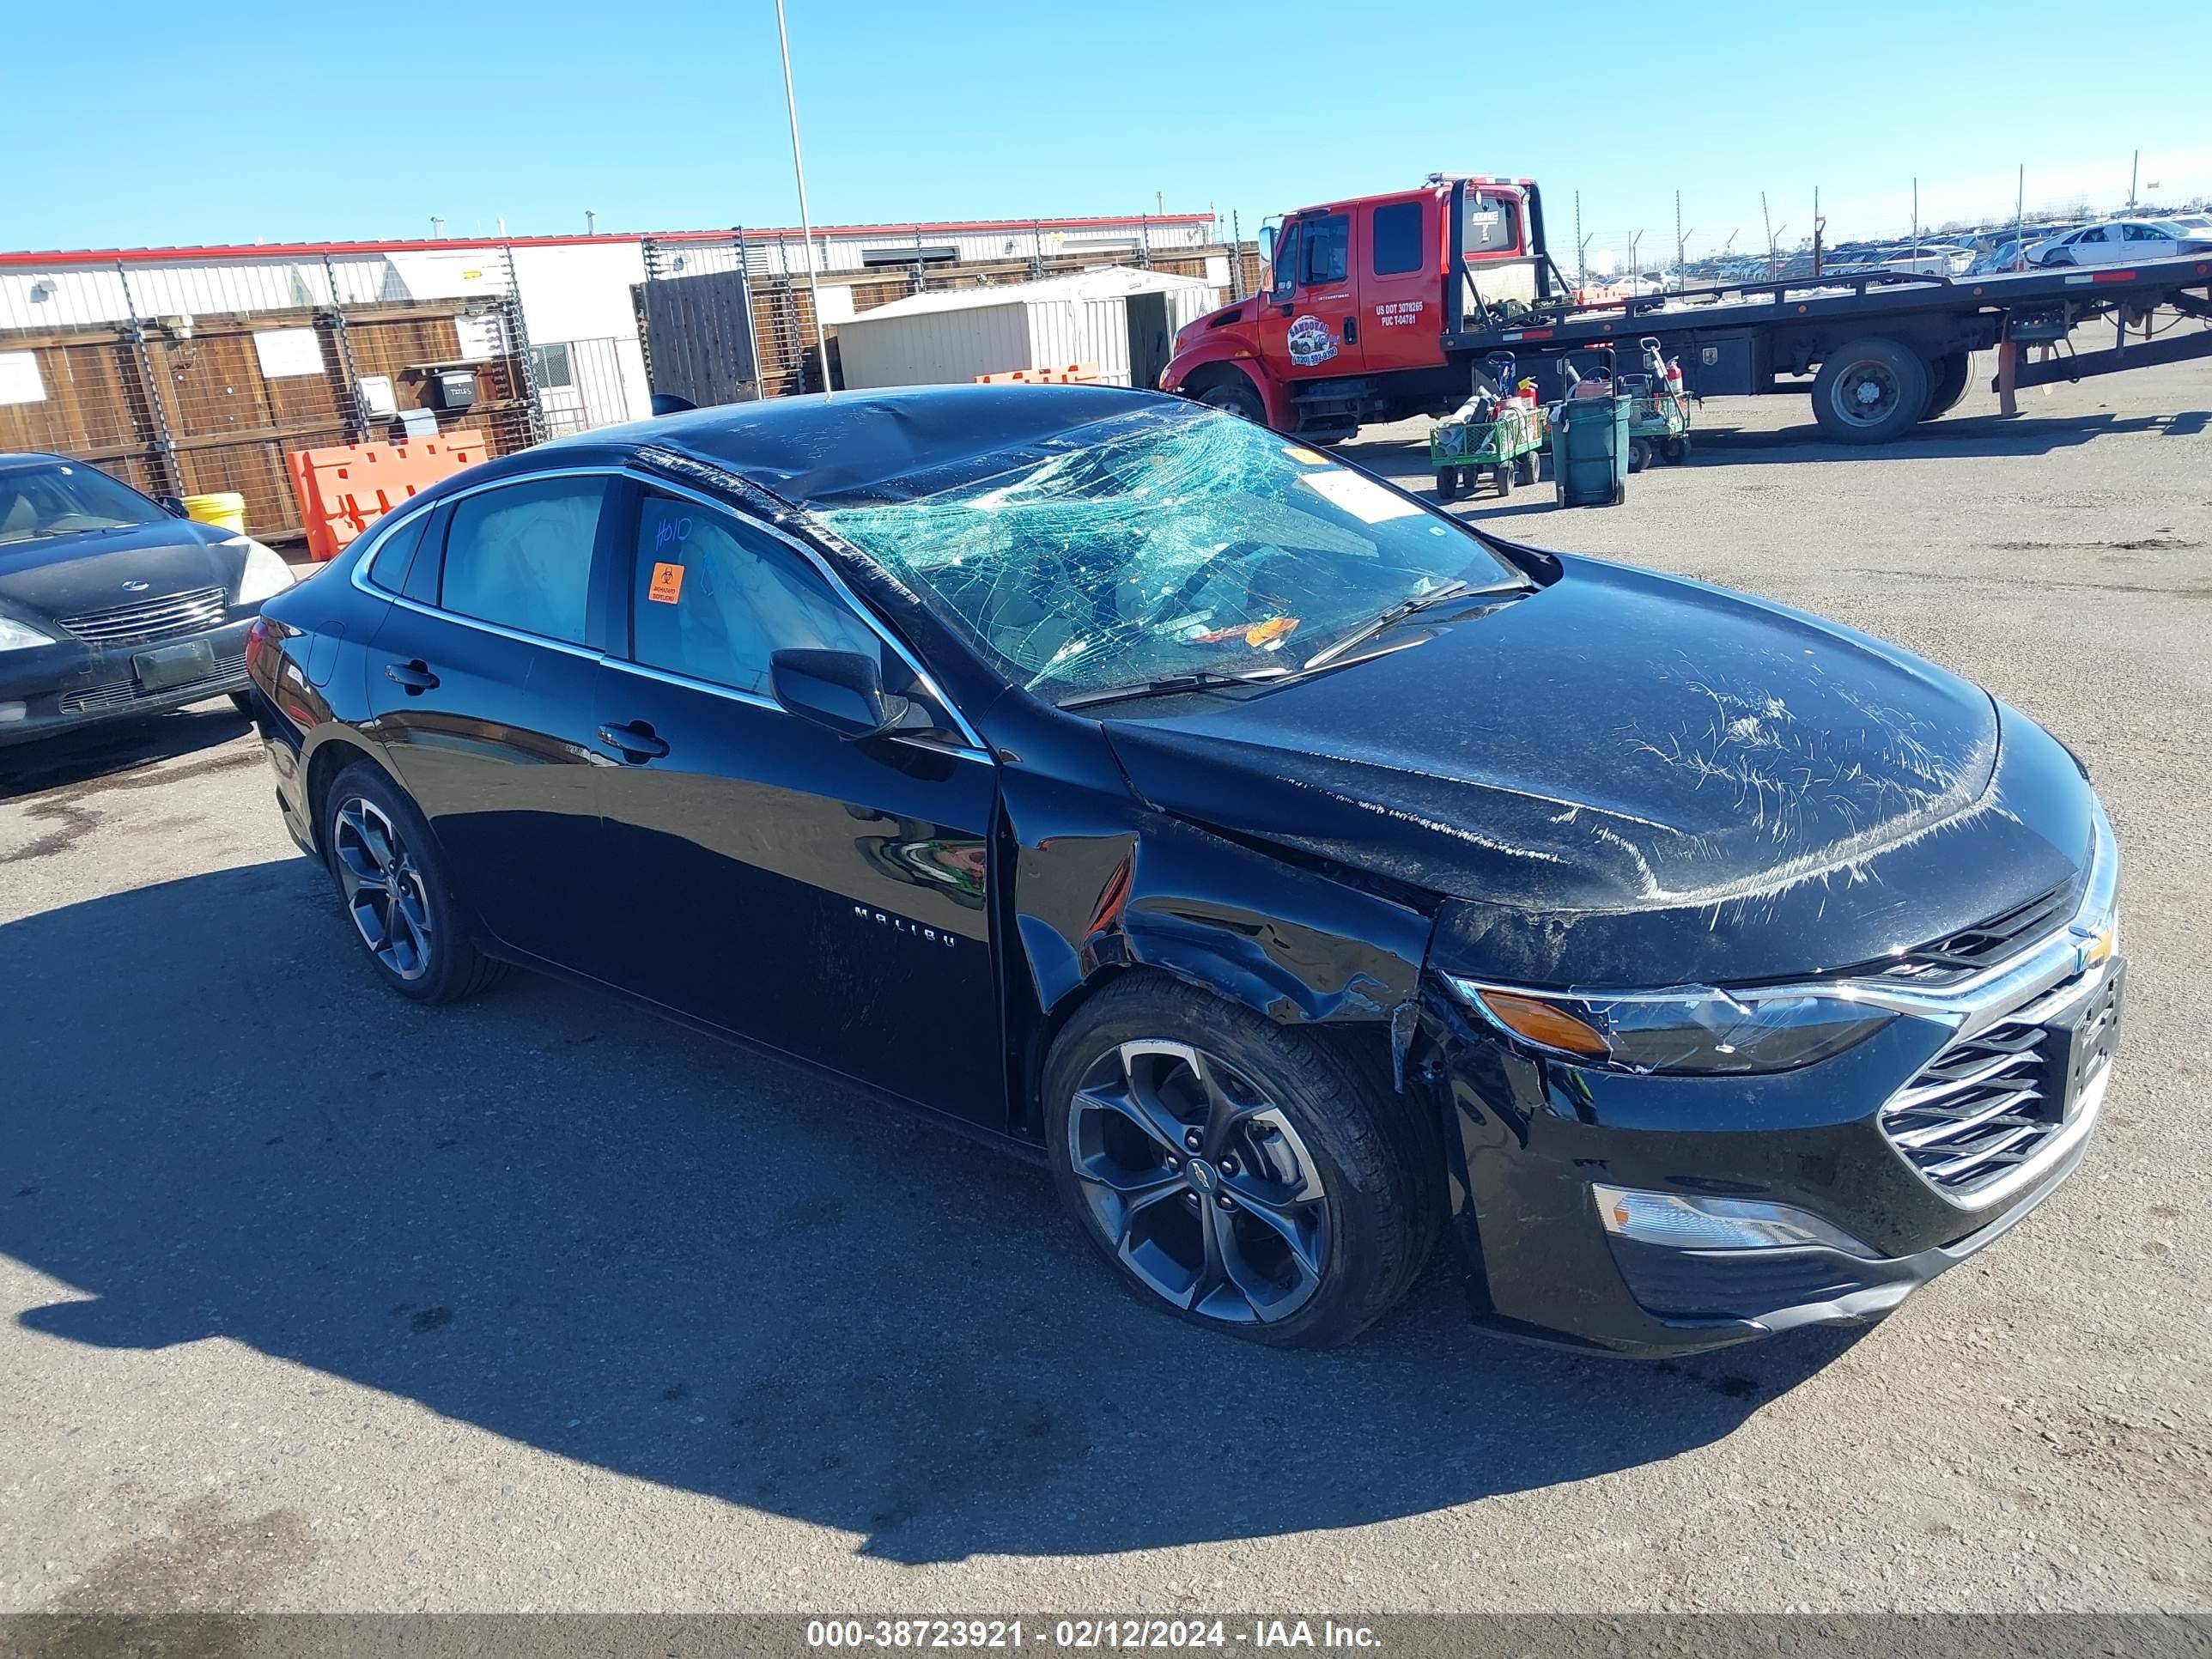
(1122, 322)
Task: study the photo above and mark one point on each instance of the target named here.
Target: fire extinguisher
(1674, 375)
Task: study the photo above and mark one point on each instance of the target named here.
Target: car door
(1400, 256)
(1309, 325)
(481, 684)
(2141, 241)
(829, 897)
(2096, 246)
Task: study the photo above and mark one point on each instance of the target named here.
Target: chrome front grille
(1993, 1100)
(229, 675)
(1981, 1106)
(149, 620)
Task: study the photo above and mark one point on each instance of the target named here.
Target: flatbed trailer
(1865, 334)
(1384, 306)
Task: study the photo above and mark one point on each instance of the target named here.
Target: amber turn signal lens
(1542, 1023)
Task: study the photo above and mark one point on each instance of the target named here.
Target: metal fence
(198, 371)
(198, 378)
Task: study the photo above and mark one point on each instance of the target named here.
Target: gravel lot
(316, 1300)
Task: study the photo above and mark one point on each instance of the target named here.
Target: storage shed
(1123, 321)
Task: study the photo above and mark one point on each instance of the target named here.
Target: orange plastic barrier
(346, 487)
(1074, 374)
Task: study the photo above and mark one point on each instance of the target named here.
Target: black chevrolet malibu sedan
(1299, 872)
(112, 605)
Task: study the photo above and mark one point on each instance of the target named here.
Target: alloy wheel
(1199, 1183)
(383, 888)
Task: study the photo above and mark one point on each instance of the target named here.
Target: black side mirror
(174, 505)
(842, 691)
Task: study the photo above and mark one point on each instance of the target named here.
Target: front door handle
(635, 742)
(1352, 331)
(415, 677)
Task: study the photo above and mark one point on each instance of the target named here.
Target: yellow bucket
(225, 508)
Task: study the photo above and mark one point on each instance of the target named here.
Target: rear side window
(520, 555)
(1398, 238)
(713, 600)
(387, 565)
(1491, 224)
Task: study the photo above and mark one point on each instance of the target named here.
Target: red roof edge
(130, 256)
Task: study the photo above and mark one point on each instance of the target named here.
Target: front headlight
(21, 635)
(266, 574)
(1694, 1029)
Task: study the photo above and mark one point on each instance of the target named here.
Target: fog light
(1685, 1222)
(13, 711)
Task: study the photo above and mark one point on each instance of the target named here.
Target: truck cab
(1360, 295)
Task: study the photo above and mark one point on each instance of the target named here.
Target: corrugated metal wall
(935, 347)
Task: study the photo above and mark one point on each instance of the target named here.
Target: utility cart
(1658, 413)
(1497, 433)
(1590, 433)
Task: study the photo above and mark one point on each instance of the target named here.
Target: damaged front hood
(1620, 745)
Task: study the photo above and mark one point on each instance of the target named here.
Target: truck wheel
(1946, 383)
(1447, 484)
(1238, 396)
(1870, 391)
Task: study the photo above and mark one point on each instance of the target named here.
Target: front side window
(520, 555)
(2148, 233)
(715, 601)
(1328, 246)
(42, 503)
(1165, 543)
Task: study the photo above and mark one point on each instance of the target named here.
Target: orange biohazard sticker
(667, 584)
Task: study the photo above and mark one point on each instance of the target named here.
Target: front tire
(1257, 1179)
(392, 884)
(1238, 396)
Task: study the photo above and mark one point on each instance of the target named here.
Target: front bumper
(70, 684)
(1527, 1138)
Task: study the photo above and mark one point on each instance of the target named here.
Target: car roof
(879, 445)
(33, 458)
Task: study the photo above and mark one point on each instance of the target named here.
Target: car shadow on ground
(77, 757)
(565, 1222)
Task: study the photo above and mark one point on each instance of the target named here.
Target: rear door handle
(635, 742)
(415, 677)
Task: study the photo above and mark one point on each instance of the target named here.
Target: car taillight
(258, 638)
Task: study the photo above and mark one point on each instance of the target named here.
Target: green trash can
(1589, 443)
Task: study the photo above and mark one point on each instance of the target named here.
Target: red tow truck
(1385, 306)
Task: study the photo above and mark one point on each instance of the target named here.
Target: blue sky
(278, 122)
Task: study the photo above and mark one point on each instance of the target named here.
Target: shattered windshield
(1155, 549)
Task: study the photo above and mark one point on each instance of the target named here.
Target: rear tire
(1946, 383)
(1502, 473)
(1291, 1203)
(1675, 450)
(1870, 391)
(391, 882)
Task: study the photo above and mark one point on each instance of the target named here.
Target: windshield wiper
(1458, 588)
(1204, 679)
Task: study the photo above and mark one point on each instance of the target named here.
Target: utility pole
(1916, 218)
(1678, 240)
(1582, 269)
(437, 229)
(805, 225)
(2135, 165)
(590, 222)
(1769, 218)
(2020, 221)
(1819, 228)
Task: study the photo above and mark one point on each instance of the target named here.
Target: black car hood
(1613, 772)
(69, 576)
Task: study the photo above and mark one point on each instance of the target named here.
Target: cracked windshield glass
(1159, 547)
